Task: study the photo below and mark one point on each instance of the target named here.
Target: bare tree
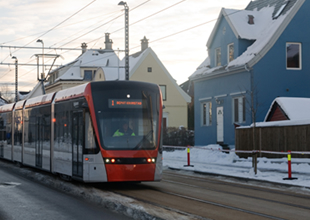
(5, 93)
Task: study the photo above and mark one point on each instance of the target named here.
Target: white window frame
(241, 109)
(300, 56)
(218, 55)
(228, 52)
(206, 113)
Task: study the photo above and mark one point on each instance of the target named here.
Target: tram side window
(63, 127)
(18, 127)
(62, 133)
(90, 140)
(37, 122)
(8, 127)
(2, 128)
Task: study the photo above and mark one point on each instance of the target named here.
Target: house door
(77, 144)
(220, 124)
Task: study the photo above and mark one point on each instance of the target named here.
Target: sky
(177, 30)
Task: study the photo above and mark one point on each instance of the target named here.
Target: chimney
(144, 44)
(108, 42)
(84, 47)
(251, 19)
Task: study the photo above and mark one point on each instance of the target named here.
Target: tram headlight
(107, 160)
(151, 160)
(112, 160)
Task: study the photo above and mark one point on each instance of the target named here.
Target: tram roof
(70, 93)
(20, 104)
(7, 108)
(40, 100)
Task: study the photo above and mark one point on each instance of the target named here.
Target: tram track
(247, 186)
(239, 194)
(199, 198)
(190, 199)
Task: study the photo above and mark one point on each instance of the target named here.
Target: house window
(293, 56)
(239, 109)
(163, 91)
(230, 53)
(218, 57)
(206, 114)
(88, 75)
(149, 69)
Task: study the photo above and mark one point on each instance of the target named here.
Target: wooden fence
(277, 138)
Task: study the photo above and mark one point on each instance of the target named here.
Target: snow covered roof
(270, 19)
(204, 66)
(294, 108)
(93, 58)
(297, 110)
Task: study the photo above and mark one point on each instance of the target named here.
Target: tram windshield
(128, 120)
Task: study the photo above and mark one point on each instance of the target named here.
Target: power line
(74, 34)
(67, 18)
(51, 48)
(102, 25)
(151, 15)
(55, 26)
(142, 18)
(179, 32)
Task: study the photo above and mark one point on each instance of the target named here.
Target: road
(205, 197)
(180, 195)
(21, 198)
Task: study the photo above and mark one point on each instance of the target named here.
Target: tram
(106, 131)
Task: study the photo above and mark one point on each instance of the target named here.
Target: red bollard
(289, 163)
(188, 158)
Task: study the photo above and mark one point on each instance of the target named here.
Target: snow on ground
(210, 159)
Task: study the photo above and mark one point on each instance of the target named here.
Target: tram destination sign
(125, 103)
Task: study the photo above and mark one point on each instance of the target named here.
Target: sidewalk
(216, 162)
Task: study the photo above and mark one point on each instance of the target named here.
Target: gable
(139, 71)
(277, 114)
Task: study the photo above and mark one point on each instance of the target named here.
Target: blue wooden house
(255, 55)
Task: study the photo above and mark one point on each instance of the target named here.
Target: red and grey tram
(97, 132)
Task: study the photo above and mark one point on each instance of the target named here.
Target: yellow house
(146, 66)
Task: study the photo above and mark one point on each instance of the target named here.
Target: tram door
(77, 144)
(39, 141)
(2, 136)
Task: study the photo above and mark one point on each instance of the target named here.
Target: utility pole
(126, 39)
(16, 78)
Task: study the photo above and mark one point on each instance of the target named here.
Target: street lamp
(16, 77)
(41, 41)
(126, 39)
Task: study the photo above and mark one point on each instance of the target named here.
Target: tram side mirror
(164, 106)
(85, 106)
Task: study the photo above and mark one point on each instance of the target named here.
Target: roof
(294, 108)
(271, 17)
(92, 58)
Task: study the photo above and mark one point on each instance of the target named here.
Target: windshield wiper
(147, 139)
